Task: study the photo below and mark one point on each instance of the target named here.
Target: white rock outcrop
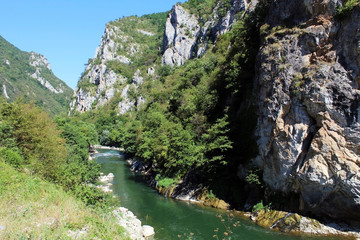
(184, 38)
(133, 225)
(39, 61)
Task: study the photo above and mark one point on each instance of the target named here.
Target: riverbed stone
(148, 232)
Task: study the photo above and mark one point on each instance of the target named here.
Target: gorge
(296, 83)
(238, 104)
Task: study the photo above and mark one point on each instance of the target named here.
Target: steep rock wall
(309, 107)
(186, 38)
(100, 83)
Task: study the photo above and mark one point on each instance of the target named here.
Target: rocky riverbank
(272, 219)
(125, 217)
(183, 190)
(295, 223)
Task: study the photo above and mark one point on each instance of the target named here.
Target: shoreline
(126, 218)
(275, 220)
(106, 147)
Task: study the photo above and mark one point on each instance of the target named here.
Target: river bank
(272, 219)
(124, 216)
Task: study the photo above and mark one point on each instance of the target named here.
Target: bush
(14, 158)
(346, 10)
(257, 207)
(164, 182)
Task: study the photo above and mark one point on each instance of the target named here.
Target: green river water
(171, 218)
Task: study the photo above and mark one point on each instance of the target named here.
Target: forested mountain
(28, 75)
(253, 100)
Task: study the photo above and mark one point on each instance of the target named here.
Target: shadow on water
(172, 218)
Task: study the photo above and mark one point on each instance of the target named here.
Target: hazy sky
(67, 32)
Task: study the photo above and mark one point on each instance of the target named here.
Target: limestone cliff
(187, 35)
(308, 103)
(115, 70)
(126, 55)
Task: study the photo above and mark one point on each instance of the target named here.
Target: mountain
(256, 100)
(128, 52)
(134, 49)
(28, 75)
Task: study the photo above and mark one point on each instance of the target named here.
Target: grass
(31, 208)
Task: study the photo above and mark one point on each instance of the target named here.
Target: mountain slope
(42, 210)
(127, 54)
(29, 75)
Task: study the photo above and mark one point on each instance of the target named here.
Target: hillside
(249, 101)
(31, 208)
(128, 52)
(29, 75)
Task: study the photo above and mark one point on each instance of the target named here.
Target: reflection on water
(172, 218)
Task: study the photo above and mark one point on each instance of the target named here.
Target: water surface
(172, 218)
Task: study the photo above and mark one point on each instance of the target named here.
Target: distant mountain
(28, 75)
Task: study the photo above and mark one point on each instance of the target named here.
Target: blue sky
(67, 32)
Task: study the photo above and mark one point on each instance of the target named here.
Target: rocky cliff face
(117, 69)
(98, 76)
(114, 70)
(186, 36)
(40, 62)
(308, 101)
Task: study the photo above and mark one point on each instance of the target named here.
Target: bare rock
(309, 106)
(184, 38)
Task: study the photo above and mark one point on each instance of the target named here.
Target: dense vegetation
(205, 8)
(46, 175)
(197, 117)
(15, 71)
(58, 153)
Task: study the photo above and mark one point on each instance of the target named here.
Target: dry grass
(33, 209)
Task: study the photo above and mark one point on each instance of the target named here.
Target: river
(171, 218)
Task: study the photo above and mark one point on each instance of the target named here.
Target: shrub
(11, 157)
(344, 11)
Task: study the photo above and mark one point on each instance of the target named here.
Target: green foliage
(254, 177)
(58, 153)
(204, 8)
(165, 182)
(257, 207)
(11, 157)
(344, 11)
(16, 77)
(36, 136)
(210, 195)
(85, 84)
(260, 206)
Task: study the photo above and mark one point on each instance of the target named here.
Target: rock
(184, 38)
(151, 71)
(132, 225)
(292, 222)
(308, 105)
(145, 32)
(106, 178)
(39, 61)
(77, 234)
(181, 32)
(5, 92)
(148, 232)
